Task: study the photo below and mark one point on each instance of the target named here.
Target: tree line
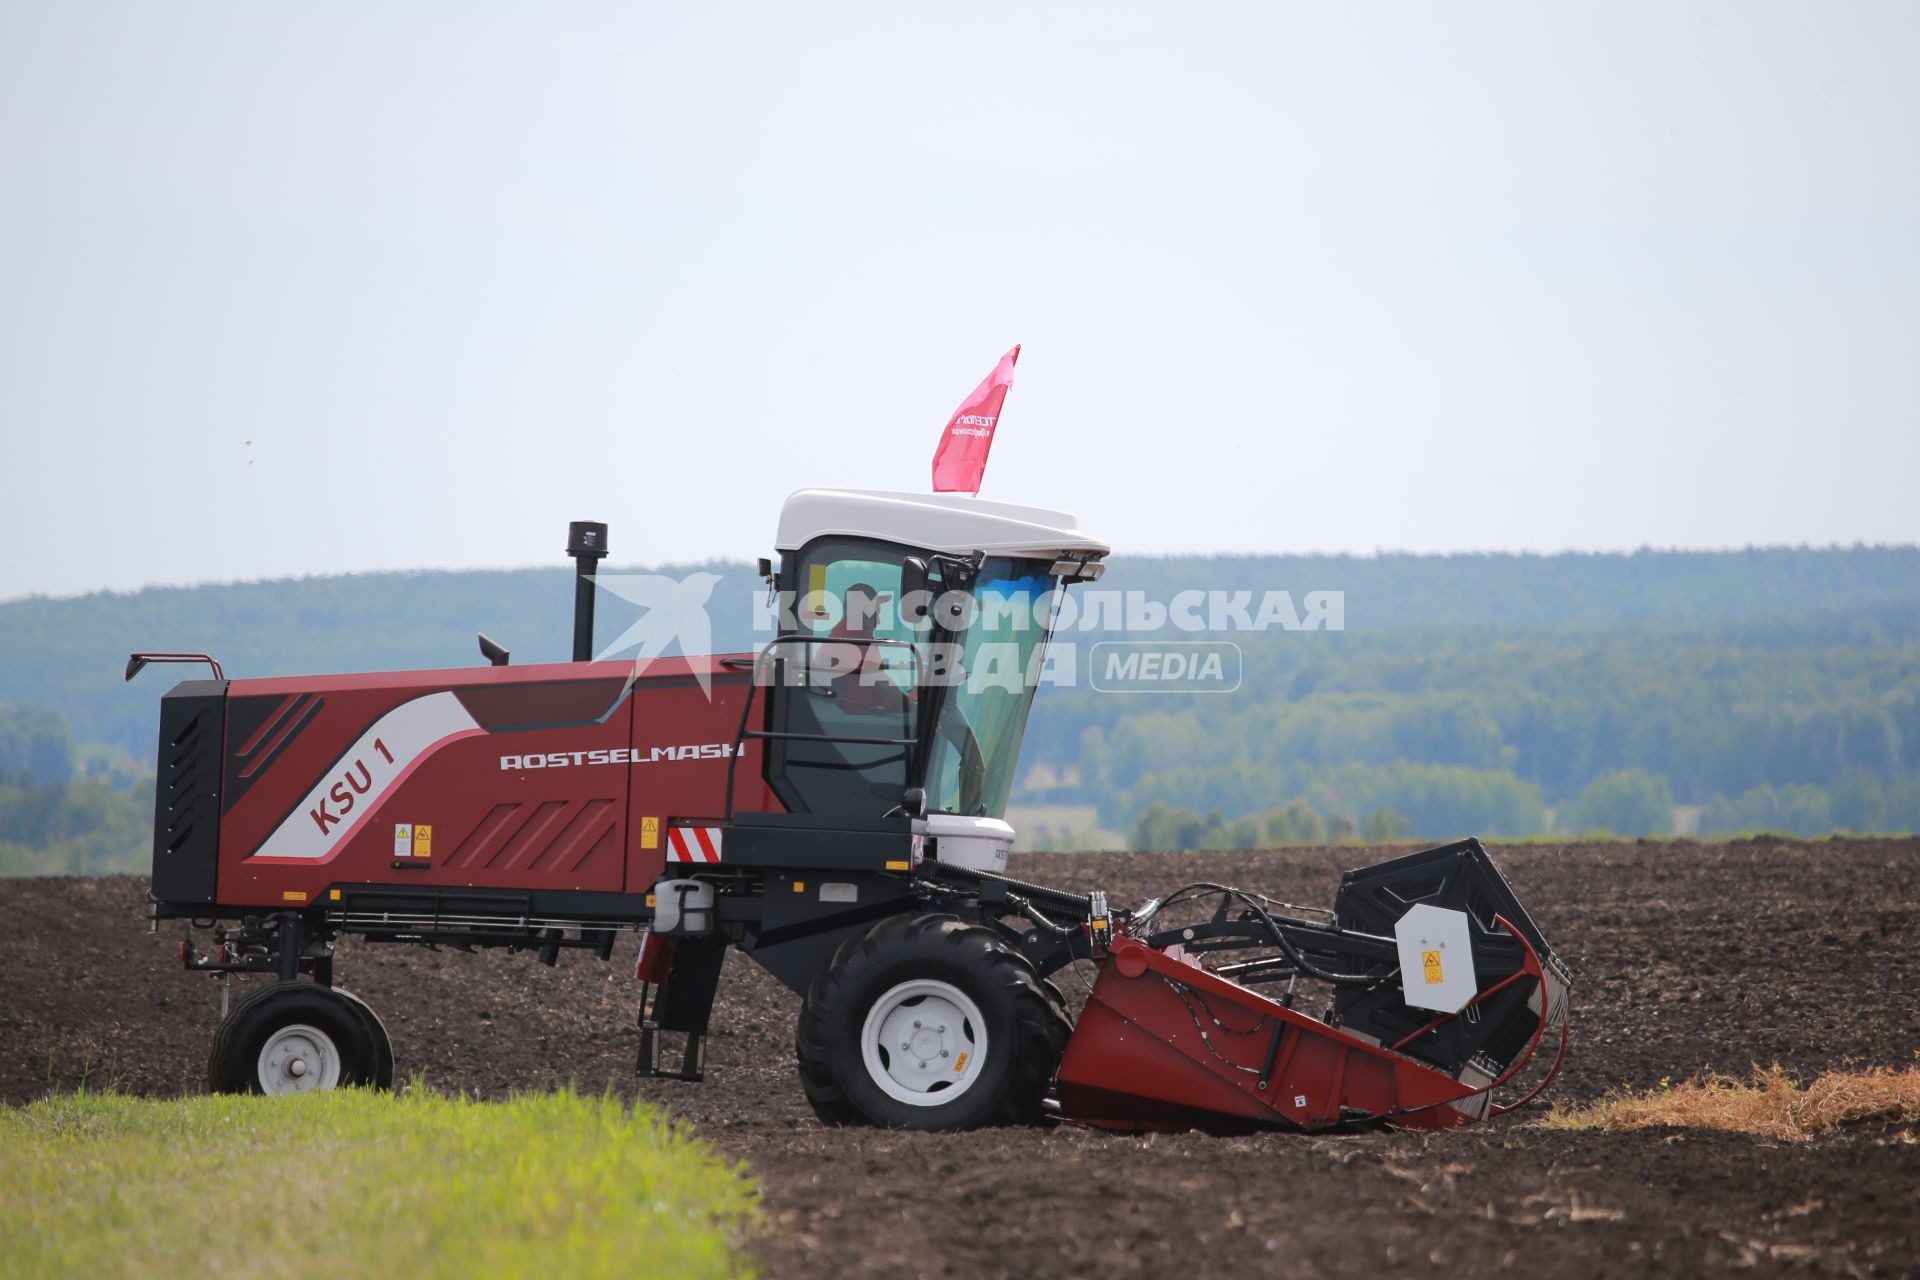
(1513, 726)
(68, 653)
(1445, 803)
(1505, 695)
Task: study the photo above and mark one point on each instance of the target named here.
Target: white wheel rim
(924, 1043)
(298, 1059)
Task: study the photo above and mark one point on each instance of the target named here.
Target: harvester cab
(912, 629)
(833, 806)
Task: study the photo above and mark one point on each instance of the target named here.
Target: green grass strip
(355, 1183)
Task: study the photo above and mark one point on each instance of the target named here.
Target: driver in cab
(867, 684)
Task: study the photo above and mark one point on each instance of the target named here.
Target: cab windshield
(976, 742)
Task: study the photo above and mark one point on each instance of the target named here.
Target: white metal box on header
(1436, 958)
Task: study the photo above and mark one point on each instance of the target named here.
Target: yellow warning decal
(334, 894)
(422, 840)
(899, 864)
(1431, 961)
(961, 1065)
(649, 899)
(799, 886)
(293, 895)
(649, 833)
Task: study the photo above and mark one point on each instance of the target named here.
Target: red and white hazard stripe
(693, 844)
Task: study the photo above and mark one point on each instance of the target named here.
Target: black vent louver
(186, 793)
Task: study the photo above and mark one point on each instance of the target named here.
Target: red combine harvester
(833, 806)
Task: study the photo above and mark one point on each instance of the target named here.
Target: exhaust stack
(587, 544)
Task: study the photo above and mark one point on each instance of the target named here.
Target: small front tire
(295, 1037)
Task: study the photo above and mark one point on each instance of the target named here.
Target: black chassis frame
(767, 904)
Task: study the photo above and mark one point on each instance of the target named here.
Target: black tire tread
(1041, 1022)
(230, 1069)
(382, 1042)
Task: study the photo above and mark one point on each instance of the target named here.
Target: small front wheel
(295, 1037)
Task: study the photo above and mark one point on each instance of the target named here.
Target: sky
(309, 288)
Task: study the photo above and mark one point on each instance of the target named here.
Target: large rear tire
(929, 1022)
(296, 1037)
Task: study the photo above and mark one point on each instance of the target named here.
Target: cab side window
(854, 685)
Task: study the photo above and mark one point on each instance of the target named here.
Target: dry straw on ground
(1772, 1104)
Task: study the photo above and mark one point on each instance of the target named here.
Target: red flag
(961, 459)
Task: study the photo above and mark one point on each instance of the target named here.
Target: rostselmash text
(620, 755)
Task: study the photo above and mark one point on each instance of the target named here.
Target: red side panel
(495, 777)
(681, 741)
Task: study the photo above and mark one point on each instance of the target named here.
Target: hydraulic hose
(1280, 938)
(1034, 914)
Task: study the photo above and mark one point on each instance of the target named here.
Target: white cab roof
(949, 522)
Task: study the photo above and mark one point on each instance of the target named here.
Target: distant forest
(1773, 689)
(1805, 725)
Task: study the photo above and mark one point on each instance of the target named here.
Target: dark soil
(1686, 958)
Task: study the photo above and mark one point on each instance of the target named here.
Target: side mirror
(913, 586)
(914, 801)
(490, 650)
